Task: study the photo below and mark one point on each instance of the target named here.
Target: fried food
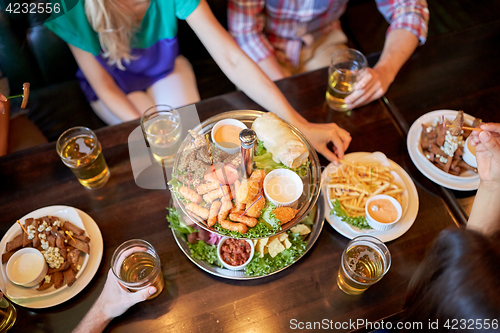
(353, 183)
(238, 217)
(285, 214)
(198, 210)
(189, 194)
(247, 191)
(224, 210)
(207, 187)
(214, 211)
(256, 207)
(222, 191)
(258, 176)
(240, 227)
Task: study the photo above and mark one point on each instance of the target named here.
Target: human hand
(115, 299)
(487, 143)
(373, 84)
(321, 134)
(2, 106)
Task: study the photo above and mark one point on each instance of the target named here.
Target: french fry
(353, 183)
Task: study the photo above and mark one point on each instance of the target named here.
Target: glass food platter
(317, 217)
(311, 178)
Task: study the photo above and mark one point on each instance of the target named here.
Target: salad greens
(260, 230)
(269, 217)
(267, 264)
(264, 160)
(199, 250)
(357, 221)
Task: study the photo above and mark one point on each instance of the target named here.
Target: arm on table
(409, 20)
(485, 214)
(243, 72)
(104, 85)
(246, 23)
(113, 302)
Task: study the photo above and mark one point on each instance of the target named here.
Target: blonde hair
(115, 25)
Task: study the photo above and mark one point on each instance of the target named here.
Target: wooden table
(195, 301)
(456, 71)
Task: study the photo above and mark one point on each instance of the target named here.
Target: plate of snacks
(70, 246)
(211, 187)
(438, 146)
(253, 259)
(369, 183)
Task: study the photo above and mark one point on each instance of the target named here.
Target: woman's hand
(321, 134)
(2, 107)
(372, 85)
(487, 145)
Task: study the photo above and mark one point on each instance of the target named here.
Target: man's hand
(372, 85)
(321, 134)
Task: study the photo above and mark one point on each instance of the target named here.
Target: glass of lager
(137, 266)
(80, 150)
(8, 314)
(365, 261)
(161, 125)
(346, 68)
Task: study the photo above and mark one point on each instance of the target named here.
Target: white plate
(468, 182)
(30, 297)
(409, 199)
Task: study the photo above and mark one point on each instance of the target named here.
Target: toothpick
(207, 138)
(67, 233)
(260, 197)
(469, 128)
(22, 226)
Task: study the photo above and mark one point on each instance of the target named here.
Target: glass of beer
(8, 314)
(365, 261)
(346, 68)
(161, 125)
(80, 150)
(137, 266)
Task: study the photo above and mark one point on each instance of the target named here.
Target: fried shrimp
(198, 210)
(240, 227)
(224, 210)
(189, 194)
(247, 191)
(249, 221)
(214, 210)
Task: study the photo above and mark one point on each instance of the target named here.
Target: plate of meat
(71, 233)
(436, 144)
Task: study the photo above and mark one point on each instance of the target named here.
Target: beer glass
(80, 150)
(161, 125)
(346, 68)
(365, 261)
(137, 266)
(8, 314)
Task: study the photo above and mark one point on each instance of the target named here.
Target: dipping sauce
(235, 252)
(27, 268)
(471, 148)
(383, 211)
(228, 136)
(282, 189)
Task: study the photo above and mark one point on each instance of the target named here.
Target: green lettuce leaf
(206, 252)
(178, 224)
(357, 221)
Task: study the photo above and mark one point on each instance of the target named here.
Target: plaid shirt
(264, 27)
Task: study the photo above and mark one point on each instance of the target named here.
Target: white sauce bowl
(225, 122)
(468, 156)
(290, 186)
(27, 267)
(379, 225)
